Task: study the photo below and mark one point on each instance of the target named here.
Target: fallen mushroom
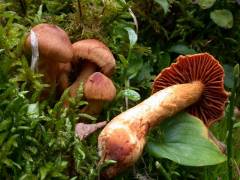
(194, 80)
(54, 48)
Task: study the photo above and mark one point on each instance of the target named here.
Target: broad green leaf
(222, 18)
(181, 49)
(185, 141)
(131, 94)
(228, 78)
(164, 4)
(132, 36)
(205, 4)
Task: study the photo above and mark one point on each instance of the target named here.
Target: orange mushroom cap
(198, 67)
(95, 52)
(53, 43)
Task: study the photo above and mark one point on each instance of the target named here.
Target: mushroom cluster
(96, 66)
(194, 83)
(91, 58)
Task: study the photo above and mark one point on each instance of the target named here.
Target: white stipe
(35, 52)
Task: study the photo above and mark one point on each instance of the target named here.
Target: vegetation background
(37, 138)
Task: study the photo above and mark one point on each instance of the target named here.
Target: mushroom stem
(62, 78)
(89, 68)
(123, 138)
(93, 108)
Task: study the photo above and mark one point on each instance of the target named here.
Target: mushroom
(54, 47)
(62, 76)
(194, 82)
(97, 90)
(93, 56)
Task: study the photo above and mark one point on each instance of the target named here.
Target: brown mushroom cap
(53, 43)
(99, 87)
(199, 67)
(96, 52)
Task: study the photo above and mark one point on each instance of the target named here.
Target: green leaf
(33, 110)
(164, 60)
(236, 71)
(134, 66)
(185, 141)
(11, 163)
(45, 170)
(3, 136)
(236, 125)
(131, 94)
(107, 163)
(132, 36)
(5, 124)
(205, 4)
(164, 4)
(228, 78)
(223, 18)
(181, 49)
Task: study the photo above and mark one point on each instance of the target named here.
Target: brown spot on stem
(119, 145)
